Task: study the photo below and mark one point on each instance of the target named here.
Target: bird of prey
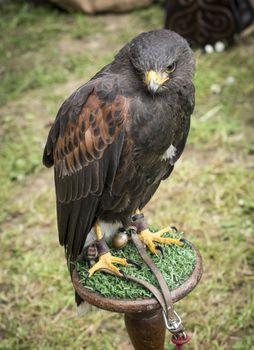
(116, 138)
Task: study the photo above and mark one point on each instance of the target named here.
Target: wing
(85, 145)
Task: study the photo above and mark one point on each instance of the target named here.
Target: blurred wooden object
(208, 21)
(146, 330)
(98, 6)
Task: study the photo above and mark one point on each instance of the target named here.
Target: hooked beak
(155, 79)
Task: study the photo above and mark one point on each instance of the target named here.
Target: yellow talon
(149, 237)
(106, 262)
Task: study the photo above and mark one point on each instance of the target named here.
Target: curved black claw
(160, 249)
(124, 275)
(185, 241)
(134, 263)
(174, 229)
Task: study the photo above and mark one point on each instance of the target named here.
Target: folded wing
(85, 145)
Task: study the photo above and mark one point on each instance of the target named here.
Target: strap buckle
(174, 326)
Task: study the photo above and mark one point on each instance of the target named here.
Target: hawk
(116, 138)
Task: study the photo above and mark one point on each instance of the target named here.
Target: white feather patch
(108, 229)
(169, 154)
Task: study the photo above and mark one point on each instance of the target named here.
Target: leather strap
(162, 283)
(163, 296)
(157, 294)
(102, 247)
(173, 322)
(139, 222)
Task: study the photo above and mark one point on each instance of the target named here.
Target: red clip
(179, 341)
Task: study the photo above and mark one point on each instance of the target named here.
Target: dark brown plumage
(119, 135)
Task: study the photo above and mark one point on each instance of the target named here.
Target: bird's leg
(106, 259)
(151, 238)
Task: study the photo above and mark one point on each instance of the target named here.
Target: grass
(45, 55)
(176, 266)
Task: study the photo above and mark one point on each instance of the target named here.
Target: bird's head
(162, 59)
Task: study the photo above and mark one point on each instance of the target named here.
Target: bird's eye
(171, 67)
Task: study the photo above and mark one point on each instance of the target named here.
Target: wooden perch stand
(143, 317)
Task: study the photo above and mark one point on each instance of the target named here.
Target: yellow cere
(157, 77)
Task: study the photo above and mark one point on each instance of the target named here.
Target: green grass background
(44, 55)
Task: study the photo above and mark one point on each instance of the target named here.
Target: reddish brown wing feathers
(85, 140)
(85, 145)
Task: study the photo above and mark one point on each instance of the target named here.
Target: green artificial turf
(176, 266)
